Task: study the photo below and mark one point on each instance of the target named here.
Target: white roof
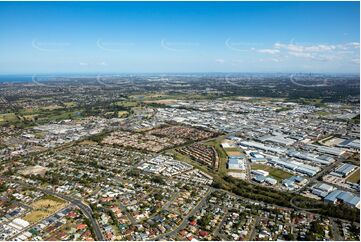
(21, 222)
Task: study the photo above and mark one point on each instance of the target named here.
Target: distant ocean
(15, 78)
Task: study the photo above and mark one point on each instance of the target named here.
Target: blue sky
(97, 37)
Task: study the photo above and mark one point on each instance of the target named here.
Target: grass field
(322, 113)
(43, 208)
(216, 143)
(276, 173)
(41, 115)
(127, 103)
(30, 117)
(176, 96)
(51, 107)
(354, 177)
(122, 114)
(39, 135)
(233, 151)
(162, 101)
(186, 159)
(70, 104)
(87, 142)
(7, 117)
(60, 115)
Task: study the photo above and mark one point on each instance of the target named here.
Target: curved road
(299, 208)
(84, 208)
(87, 211)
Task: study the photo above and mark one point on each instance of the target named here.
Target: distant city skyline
(179, 37)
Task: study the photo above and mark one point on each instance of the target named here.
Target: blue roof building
(346, 197)
(355, 201)
(259, 178)
(345, 169)
(236, 162)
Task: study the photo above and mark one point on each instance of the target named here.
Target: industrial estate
(117, 164)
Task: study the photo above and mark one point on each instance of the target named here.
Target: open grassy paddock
(122, 114)
(51, 107)
(70, 104)
(43, 208)
(276, 173)
(216, 143)
(127, 104)
(7, 117)
(233, 151)
(354, 177)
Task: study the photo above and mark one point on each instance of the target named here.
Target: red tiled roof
(81, 226)
(109, 235)
(72, 214)
(193, 222)
(87, 233)
(203, 233)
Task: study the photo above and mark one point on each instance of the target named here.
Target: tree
(158, 179)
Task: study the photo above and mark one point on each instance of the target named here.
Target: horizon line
(175, 72)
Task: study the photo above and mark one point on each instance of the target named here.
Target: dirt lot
(43, 208)
(354, 177)
(36, 170)
(233, 151)
(164, 101)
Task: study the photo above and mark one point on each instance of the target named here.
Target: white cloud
(317, 47)
(275, 60)
(300, 54)
(355, 61)
(269, 51)
(353, 44)
(103, 63)
(318, 52)
(220, 61)
(269, 60)
(303, 48)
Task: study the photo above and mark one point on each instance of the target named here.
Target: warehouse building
(322, 189)
(295, 166)
(351, 143)
(310, 157)
(271, 181)
(294, 182)
(260, 172)
(236, 163)
(348, 198)
(259, 178)
(328, 150)
(344, 170)
(261, 146)
(278, 139)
